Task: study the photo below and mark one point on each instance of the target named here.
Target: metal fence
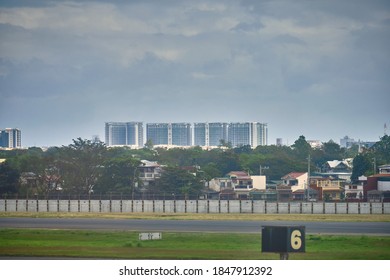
(190, 206)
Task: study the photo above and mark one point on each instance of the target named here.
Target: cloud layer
(317, 68)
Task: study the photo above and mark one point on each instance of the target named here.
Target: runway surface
(230, 226)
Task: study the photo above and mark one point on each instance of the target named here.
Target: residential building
(248, 133)
(124, 134)
(340, 169)
(242, 183)
(10, 138)
(184, 135)
(149, 172)
(378, 185)
(237, 185)
(328, 188)
(168, 134)
(355, 192)
(159, 133)
(220, 184)
(295, 180)
(181, 134)
(293, 187)
(210, 134)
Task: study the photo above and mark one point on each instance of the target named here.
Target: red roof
(239, 174)
(292, 175)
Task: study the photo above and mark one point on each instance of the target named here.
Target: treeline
(86, 166)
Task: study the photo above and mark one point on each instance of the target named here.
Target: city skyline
(312, 68)
(186, 134)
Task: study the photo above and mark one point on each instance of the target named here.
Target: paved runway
(237, 226)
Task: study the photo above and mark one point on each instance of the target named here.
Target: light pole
(308, 179)
(133, 187)
(263, 168)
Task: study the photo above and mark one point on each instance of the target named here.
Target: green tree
(361, 165)
(118, 175)
(211, 171)
(301, 147)
(332, 151)
(176, 181)
(9, 179)
(80, 165)
(149, 144)
(381, 150)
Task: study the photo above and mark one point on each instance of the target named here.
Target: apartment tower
(248, 133)
(11, 138)
(170, 134)
(210, 134)
(124, 134)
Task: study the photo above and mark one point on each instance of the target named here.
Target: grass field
(37, 243)
(32, 243)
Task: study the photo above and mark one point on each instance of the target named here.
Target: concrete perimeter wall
(192, 206)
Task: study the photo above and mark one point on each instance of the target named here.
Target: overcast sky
(315, 68)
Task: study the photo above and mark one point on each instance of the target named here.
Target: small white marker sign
(150, 236)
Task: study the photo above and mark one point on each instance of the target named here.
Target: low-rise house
(295, 180)
(328, 188)
(239, 183)
(293, 186)
(378, 186)
(220, 184)
(149, 172)
(355, 192)
(340, 169)
(242, 183)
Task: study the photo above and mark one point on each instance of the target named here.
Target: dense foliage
(88, 166)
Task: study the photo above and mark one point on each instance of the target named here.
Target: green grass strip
(37, 243)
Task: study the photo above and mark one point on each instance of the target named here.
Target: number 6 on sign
(296, 240)
(283, 239)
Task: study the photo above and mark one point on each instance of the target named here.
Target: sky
(320, 69)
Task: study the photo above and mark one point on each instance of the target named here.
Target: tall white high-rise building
(248, 133)
(184, 134)
(171, 134)
(11, 138)
(124, 134)
(210, 134)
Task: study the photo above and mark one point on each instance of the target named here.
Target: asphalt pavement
(227, 226)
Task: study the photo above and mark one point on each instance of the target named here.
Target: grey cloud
(243, 26)
(192, 61)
